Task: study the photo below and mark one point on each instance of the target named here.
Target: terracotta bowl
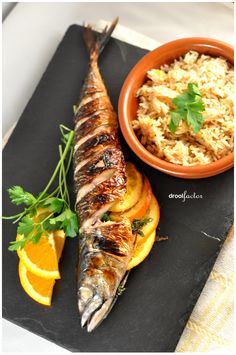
(128, 103)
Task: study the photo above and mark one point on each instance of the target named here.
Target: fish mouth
(93, 308)
(94, 311)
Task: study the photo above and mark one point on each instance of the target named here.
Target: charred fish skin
(105, 248)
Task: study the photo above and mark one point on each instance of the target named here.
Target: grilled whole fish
(105, 248)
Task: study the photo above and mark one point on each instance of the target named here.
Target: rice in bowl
(214, 77)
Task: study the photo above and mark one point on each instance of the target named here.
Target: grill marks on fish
(104, 193)
(105, 159)
(100, 138)
(110, 238)
(85, 189)
(99, 176)
(90, 97)
(100, 114)
(108, 245)
(90, 108)
(95, 218)
(99, 119)
(94, 149)
(113, 231)
(97, 132)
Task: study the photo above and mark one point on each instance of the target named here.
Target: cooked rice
(214, 77)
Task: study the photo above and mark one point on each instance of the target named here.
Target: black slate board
(162, 291)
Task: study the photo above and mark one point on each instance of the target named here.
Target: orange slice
(153, 213)
(143, 248)
(141, 207)
(144, 244)
(40, 258)
(39, 288)
(134, 187)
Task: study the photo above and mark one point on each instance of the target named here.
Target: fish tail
(94, 42)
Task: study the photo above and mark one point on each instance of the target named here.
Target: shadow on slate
(162, 291)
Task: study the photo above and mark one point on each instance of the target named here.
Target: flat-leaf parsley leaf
(68, 221)
(26, 226)
(189, 106)
(18, 196)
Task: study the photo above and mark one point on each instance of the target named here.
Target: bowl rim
(198, 171)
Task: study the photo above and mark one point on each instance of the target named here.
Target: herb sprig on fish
(137, 225)
(57, 203)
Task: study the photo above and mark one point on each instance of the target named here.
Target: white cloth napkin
(210, 327)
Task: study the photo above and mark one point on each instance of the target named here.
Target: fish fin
(95, 43)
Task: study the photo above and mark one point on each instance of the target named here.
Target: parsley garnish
(106, 217)
(189, 106)
(58, 214)
(19, 196)
(137, 225)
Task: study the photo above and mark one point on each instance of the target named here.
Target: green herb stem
(19, 218)
(61, 183)
(67, 147)
(63, 173)
(12, 217)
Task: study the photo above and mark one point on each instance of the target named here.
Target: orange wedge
(143, 248)
(59, 238)
(39, 288)
(40, 258)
